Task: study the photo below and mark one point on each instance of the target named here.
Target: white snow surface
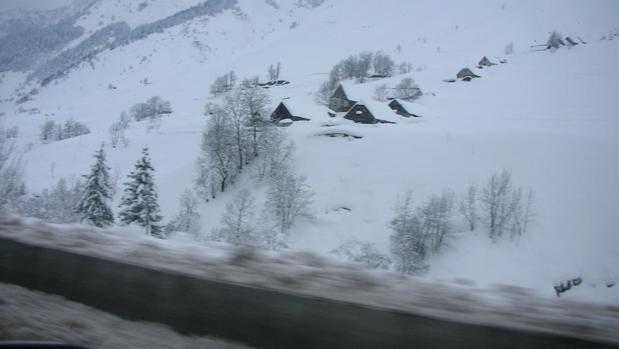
(549, 117)
(308, 274)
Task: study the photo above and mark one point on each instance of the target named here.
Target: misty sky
(31, 4)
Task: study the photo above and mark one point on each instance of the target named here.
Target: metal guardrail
(258, 317)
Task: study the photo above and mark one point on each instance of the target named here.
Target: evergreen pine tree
(92, 206)
(139, 202)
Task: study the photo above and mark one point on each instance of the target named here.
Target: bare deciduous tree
(276, 152)
(408, 90)
(188, 218)
(436, 214)
(274, 71)
(468, 207)
(363, 252)
(254, 101)
(238, 222)
(289, 198)
(117, 131)
(408, 241)
(223, 84)
(217, 152)
(503, 206)
(380, 93)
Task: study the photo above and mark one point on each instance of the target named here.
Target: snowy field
(35, 316)
(549, 117)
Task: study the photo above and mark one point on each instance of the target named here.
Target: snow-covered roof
(380, 110)
(305, 108)
(357, 92)
(413, 107)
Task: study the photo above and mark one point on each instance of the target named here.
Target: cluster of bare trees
(152, 111)
(232, 138)
(223, 84)
(363, 252)
(188, 218)
(117, 130)
(54, 205)
(502, 207)
(237, 136)
(288, 198)
(407, 89)
(274, 71)
(420, 231)
(52, 131)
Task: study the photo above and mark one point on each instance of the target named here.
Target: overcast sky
(31, 4)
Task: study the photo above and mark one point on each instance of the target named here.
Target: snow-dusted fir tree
(139, 202)
(93, 207)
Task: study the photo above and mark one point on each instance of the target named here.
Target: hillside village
(413, 128)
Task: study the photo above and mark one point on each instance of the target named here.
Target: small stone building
(283, 111)
(339, 101)
(466, 74)
(485, 62)
(359, 113)
(402, 108)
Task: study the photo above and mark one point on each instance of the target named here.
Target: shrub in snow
(188, 218)
(47, 131)
(363, 252)
(405, 68)
(407, 90)
(55, 205)
(309, 3)
(51, 131)
(380, 93)
(93, 205)
(324, 93)
(117, 132)
(153, 108)
(139, 204)
(223, 84)
(383, 64)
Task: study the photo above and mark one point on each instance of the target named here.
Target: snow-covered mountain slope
(549, 117)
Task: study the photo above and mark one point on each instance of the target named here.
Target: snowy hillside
(549, 117)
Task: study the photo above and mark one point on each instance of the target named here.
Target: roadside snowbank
(35, 316)
(308, 274)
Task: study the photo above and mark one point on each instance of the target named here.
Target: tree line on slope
(419, 231)
(499, 206)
